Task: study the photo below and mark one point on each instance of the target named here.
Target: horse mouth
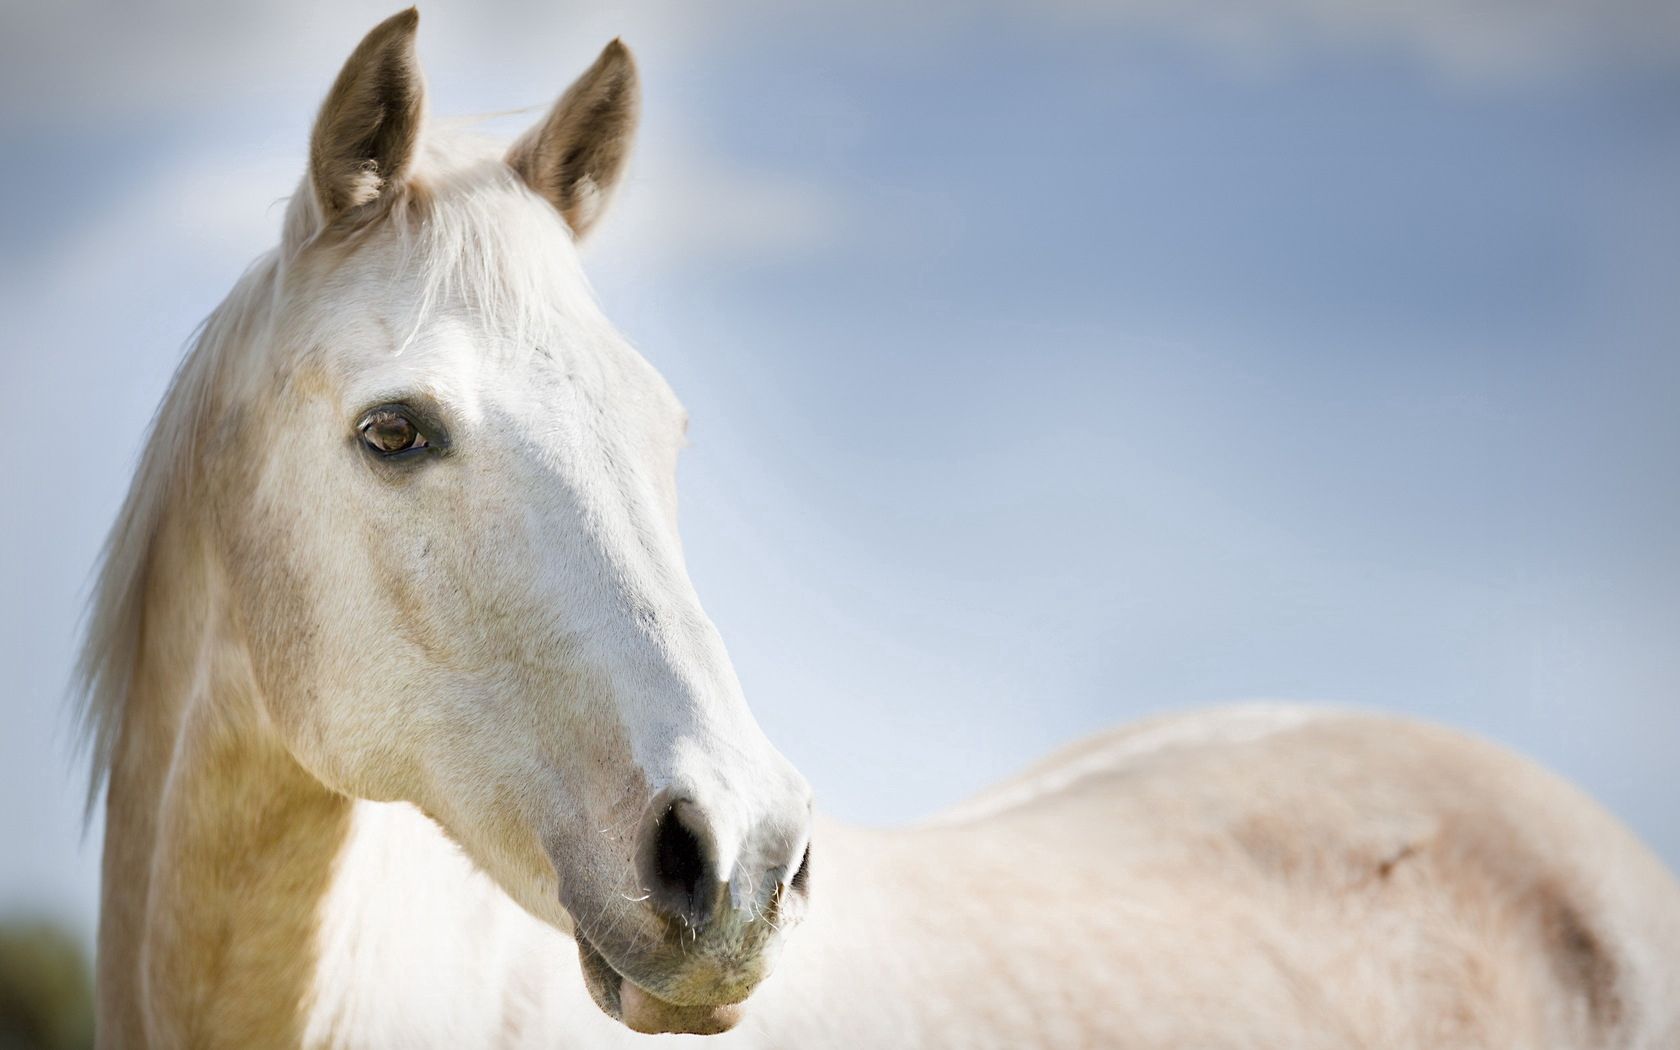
(640, 1010)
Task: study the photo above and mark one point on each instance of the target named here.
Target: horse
(412, 731)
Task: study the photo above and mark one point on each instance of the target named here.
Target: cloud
(1467, 39)
(83, 58)
(684, 204)
(100, 60)
(225, 76)
(205, 206)
(222, 154)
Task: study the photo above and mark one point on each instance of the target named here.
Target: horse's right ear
(365, 136)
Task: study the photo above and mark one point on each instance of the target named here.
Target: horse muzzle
(711, 918)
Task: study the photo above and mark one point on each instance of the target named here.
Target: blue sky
(1049, 366)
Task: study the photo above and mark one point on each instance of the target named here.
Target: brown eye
(389, 432)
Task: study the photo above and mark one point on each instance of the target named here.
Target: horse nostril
(679, 867)
(802, 878)
(678, 860)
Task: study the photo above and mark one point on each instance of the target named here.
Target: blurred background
(1050, 364)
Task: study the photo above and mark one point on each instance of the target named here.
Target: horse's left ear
(575, 156)
(365, 136)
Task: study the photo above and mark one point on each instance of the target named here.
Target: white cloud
(683, 201)
(91, 58)
(1468, 39)
(684, 205)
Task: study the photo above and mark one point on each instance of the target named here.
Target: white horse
(413, 728)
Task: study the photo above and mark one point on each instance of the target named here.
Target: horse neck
(218, 846)
(245, 903)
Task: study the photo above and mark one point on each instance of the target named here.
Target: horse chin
(640, 1010)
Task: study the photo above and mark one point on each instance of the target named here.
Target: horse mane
(457, 249)
(169, 455)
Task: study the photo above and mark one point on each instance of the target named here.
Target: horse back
(1398, 883)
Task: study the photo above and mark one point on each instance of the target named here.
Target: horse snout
(721, 890)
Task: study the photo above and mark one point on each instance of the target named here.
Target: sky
(1049, 365)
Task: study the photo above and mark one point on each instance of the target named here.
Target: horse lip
(599, 976)
(654, 1015)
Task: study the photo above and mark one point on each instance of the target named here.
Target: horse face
(451, 528)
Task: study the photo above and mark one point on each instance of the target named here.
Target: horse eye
(390, 432)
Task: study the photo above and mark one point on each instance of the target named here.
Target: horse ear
(365, 136)
(575, 156)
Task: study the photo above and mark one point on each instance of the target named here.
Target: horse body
(415, 734)
(1242, 877)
